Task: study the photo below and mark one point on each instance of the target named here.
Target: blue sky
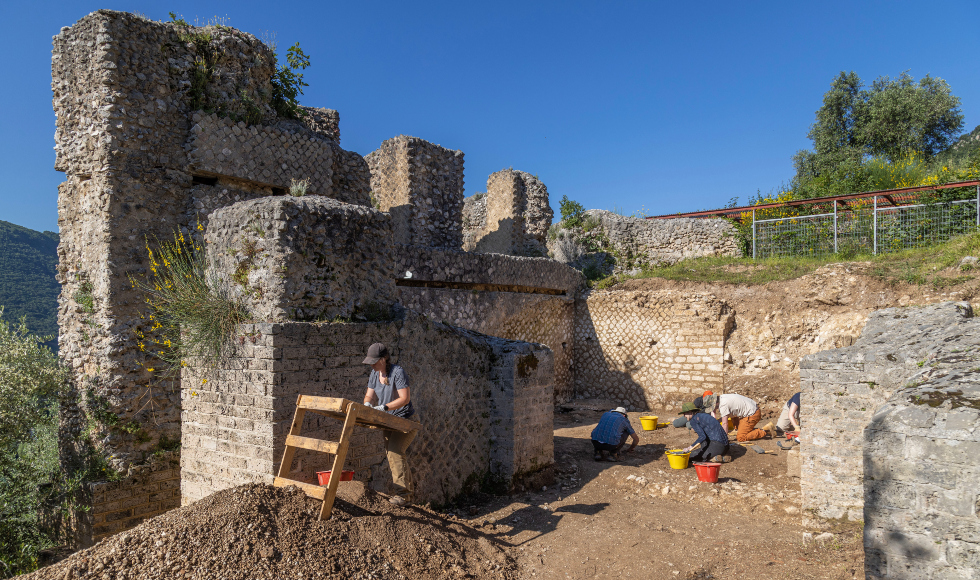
(664, 106)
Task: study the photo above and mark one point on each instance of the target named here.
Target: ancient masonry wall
(911, 384)
(666, 241)
(841, 389)
(421, 185)
(485, 405)
(513, 217)
(528, 299)
(129, 143)
(649, 349)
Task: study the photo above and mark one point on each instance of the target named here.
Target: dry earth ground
(641, 519)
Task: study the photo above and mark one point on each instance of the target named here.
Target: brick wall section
(841, 389)
(120, 505)
(421, 185)
(548, 320)
(483, 403)
(649, 349)
(323, 122)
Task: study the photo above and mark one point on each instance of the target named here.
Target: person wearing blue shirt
(610, 434)
(711, 437)
(789, 419)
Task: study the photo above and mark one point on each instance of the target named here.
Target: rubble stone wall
(513, 216)
(649, 349)
(303, 258)
(485, 405)
(124, 93)
(666, 241)
(421, 185)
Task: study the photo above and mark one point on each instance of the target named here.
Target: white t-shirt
(736, 406)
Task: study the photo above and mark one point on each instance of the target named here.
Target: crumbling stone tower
(512, 217)
(421, 185)
(158, 125)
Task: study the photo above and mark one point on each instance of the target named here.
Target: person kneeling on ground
(388, 391)
(711, 437)
(745, 413)
(610, 434)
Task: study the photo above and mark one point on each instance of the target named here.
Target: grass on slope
(918, 266)
(28, 260)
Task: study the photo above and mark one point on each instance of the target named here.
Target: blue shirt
(611, 427)
(794, 399)
(708, 429)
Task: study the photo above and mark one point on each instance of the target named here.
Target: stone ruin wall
(421, 185)
(140, 165)
(512, 217)
(485, 405)
(528, 299)
(910, 385)
(650, 349)
(666, 241)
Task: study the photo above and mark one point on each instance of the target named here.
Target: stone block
(304, 258)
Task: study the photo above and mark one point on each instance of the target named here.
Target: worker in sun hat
(699, 403)
(745, 413)
(712, 439)
(388, 391)
(610, 435)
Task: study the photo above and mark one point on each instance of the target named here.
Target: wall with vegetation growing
(128, 93)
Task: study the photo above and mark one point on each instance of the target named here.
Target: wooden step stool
(351, 414)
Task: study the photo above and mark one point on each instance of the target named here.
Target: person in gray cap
(610, 434)
(388, 391)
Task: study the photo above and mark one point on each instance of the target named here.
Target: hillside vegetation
(28, 260)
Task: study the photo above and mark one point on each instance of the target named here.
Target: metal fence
(862, 228)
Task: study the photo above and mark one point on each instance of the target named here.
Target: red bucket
(324, 476)
(707, 472)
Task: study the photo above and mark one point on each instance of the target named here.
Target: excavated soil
(258, 531)
(778, 323)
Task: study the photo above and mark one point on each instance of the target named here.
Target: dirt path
(641, 519)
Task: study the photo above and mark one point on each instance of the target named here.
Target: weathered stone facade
(637, 241)
(421, 185)
(485, 405)
(303, 258)
(911, 384)
(842, 388)
(649, 349)
(123, 93)
(512, 217)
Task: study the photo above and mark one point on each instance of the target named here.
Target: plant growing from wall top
(287, 84)
(192, 314)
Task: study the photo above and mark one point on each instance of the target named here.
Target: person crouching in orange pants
(745, 414)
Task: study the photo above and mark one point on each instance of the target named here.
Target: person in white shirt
(744, 412)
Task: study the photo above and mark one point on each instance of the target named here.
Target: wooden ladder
(351, 414)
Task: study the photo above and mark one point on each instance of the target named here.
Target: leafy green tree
(893, 120)
(31, 379)
(571, 212)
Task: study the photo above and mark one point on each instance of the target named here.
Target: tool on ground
(351, 414)
(761, 451)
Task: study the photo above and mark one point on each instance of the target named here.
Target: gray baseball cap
(376, 352)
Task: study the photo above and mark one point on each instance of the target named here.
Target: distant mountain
(27, 278)
(962, 148)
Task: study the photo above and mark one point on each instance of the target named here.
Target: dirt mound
(259, 531)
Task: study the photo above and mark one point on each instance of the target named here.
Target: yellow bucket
(649, 422)
(678, 459)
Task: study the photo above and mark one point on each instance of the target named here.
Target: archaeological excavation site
(167, 131)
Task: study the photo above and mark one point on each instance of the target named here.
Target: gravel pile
(258, 531)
